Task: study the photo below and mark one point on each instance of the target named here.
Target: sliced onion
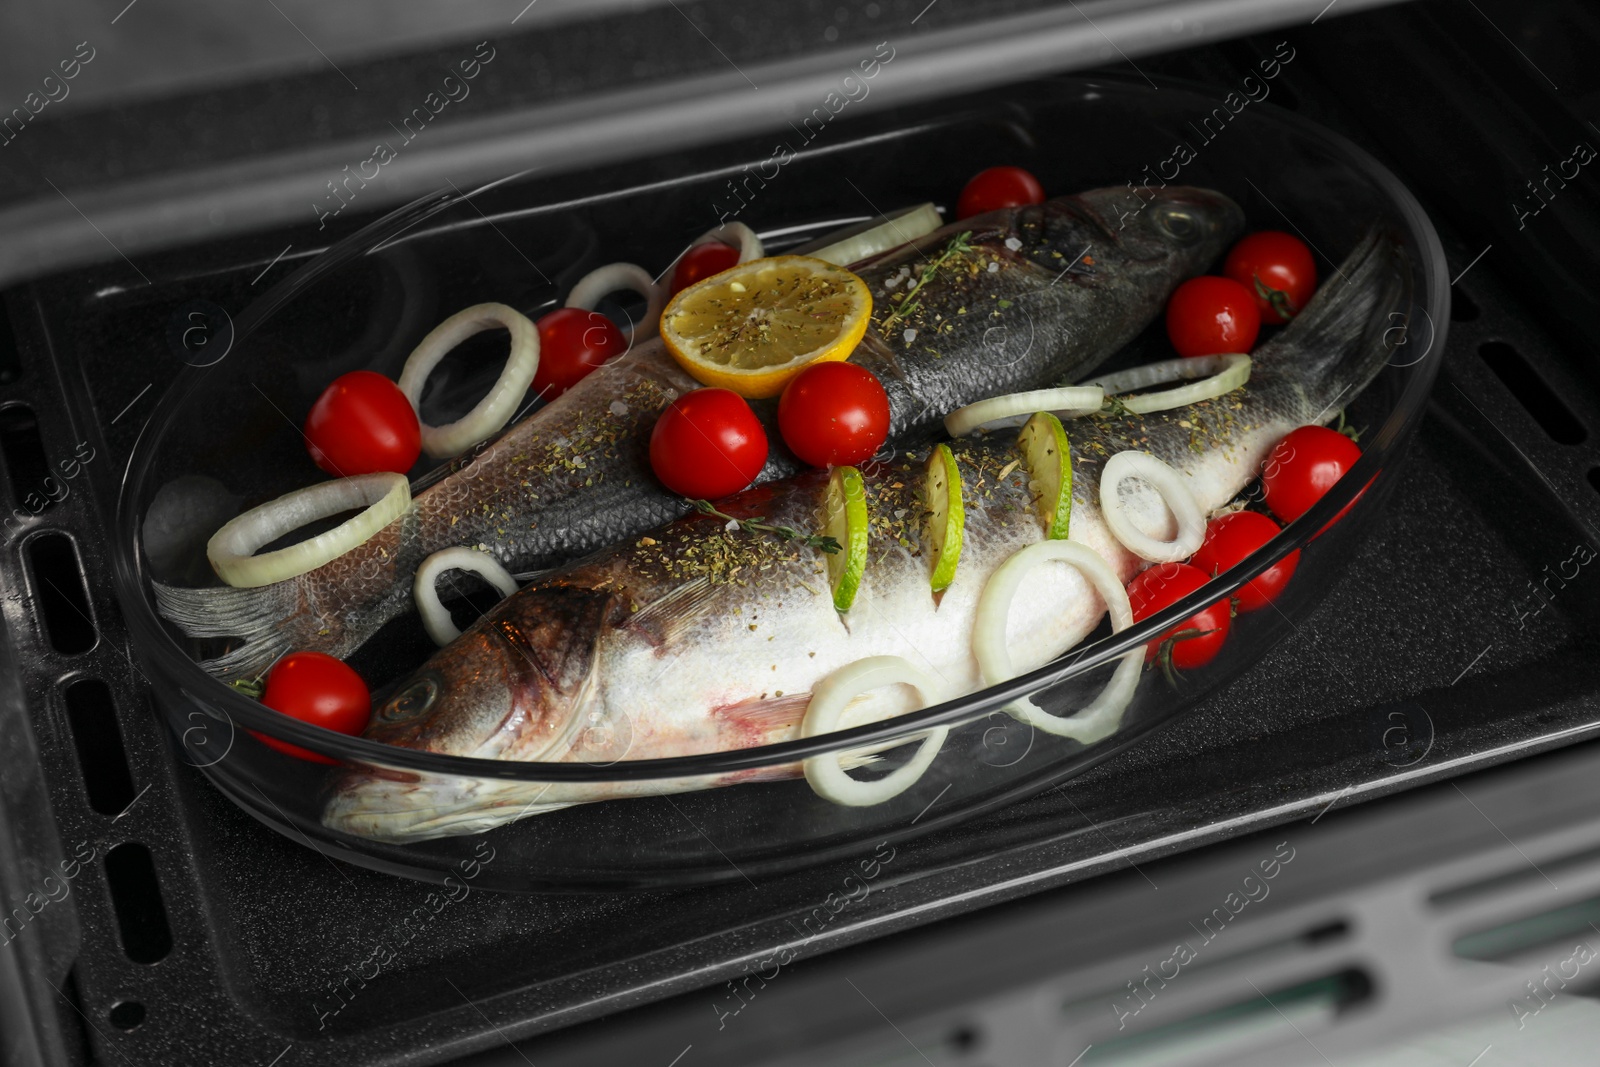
(1175, 493)
(505, 396)
(384, 498)
(435, 618)
(603, 281)
(1104, 714)
(828, 701)
(856, 243)
(1014, 409)
(1225, 374)
(735, 235)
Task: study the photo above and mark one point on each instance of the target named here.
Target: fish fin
(527, 577)
(1347, 332)
(767, 714)
(256, 616)
(670, 613)
(782, 715)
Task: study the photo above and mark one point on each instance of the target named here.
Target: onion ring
(1103, 715)
(828, 700)
(1223, 374)
(856, 243)
(435, 619)
(383, 496)
(504, 397)
(1014, 409)
(1175, 493)
(735, 235)
(603, 281)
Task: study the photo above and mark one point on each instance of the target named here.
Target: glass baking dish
(366, 301)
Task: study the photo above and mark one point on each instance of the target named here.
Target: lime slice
(1049, 461)
(946, 518)
(846, 522)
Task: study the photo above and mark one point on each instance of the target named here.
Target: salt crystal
(910, 335)
(618, 408)
(733, 526)
(994, 266)
(1014, 244)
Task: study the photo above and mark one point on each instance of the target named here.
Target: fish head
(515, 686)
(1182, 229)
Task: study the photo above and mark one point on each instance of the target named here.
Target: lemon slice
(846, 523)
(755, 326)
(946, 517)
(1049, 461)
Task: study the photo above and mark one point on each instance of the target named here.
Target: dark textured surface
(658, 47)
(263, 926)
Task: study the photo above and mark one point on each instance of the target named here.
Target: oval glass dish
(367, 301)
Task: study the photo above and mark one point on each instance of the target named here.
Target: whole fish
(702, 638)
(1033, 295)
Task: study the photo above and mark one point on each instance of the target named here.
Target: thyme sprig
(958, 244)
(784, 533)
(1112, 407)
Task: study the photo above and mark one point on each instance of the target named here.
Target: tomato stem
(250, 687)
(1276, 297)
(1164, 655)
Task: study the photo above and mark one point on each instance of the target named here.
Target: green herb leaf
(783, 533)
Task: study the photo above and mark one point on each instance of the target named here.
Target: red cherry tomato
(708, 444)
(1208, 316)
(1160, 587)
(1277, 267)
(318, 689)
(1229, 539)
(573, 343)
(1302, 467)
(998, 187)
(702, 261)
(833, 413)
(362, 424)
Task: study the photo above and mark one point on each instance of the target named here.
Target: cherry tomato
(1165, 584)
(702, 261)
(998, 187)
(1208, 316)
(1229, 539)
(318, 689)
(362, 424)
(833, 413)
(1302, 467)
(708, 444)
(573, 343)
(1277, 267)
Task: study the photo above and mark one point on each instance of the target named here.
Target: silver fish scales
(1029, 296)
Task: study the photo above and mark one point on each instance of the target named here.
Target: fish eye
(413, 700)
(1177, 223)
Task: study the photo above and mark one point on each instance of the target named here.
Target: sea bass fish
(699, 637)
(1033, 295)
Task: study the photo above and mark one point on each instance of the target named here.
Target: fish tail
(259, 618)
(1343, 338)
